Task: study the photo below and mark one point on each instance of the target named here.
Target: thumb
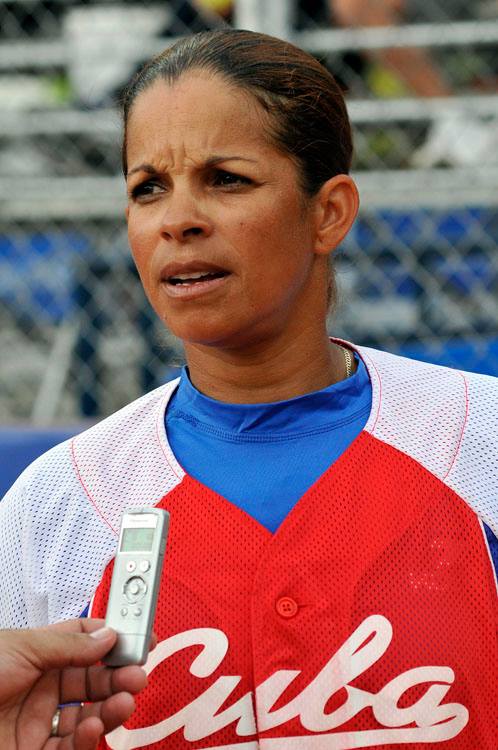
(50, 649)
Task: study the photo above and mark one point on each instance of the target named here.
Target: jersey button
(286, 607)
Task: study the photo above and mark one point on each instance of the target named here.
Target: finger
(77, 625)
(99, 682)
(88, 625)
(116, 710)
(72, 716)
(112, 712)
(48, 648)
(131, 679)
(87, 734)
(85, 737)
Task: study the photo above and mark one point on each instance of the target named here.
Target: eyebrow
(211, 162)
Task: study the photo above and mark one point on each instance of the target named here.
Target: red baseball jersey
(368, 620)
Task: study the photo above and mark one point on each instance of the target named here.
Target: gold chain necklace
(348, 361)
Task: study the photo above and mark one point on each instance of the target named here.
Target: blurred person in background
(458, 139)
(223, 8)
(416, 67)
(329, 576)
(43, 668)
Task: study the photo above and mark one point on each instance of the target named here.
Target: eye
(146, 190)
(227, 179)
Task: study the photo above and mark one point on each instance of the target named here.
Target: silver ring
(55, 723)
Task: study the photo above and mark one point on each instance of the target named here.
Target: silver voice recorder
(135, 584)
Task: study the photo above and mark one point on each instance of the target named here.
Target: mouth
(199, 277)
(188, 280)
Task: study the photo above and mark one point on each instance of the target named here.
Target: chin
(205, 332)
(222, 327)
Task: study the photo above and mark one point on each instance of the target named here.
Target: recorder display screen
(137, 540)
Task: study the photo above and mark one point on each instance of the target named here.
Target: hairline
(255, 95)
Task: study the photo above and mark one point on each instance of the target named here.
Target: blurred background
(418, 274)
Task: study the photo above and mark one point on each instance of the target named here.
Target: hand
(44, 667)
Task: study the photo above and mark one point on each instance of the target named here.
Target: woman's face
(220, 231)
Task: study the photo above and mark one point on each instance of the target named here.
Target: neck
(266, 371)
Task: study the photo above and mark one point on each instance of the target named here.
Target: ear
(336, 207)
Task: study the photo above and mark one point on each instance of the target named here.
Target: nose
(182, 220)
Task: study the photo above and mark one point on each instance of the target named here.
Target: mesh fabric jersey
(367, 620)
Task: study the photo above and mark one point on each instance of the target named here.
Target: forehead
(199, 114)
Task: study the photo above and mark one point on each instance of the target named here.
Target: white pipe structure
(106, 124)
(56, 53)
(274, 17)
(248, 14)
(448, 34)
(55, 375)
(90, 198)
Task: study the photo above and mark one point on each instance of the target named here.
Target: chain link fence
(418, 273)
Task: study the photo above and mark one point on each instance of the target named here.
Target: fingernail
(101, 633)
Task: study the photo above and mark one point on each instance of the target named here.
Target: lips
(195, 272)
(193, 280)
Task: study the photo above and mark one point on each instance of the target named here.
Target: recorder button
(137, 611)
(124, 611)
(130, 566)
(144, 566)
(134, 589)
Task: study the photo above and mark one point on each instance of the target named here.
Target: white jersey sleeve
(59, 522)
(41, 579)
(445, 419)
(474, 474)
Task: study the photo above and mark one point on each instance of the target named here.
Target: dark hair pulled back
(308, 116)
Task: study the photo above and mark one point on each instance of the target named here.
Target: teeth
(183, 278)
(194, 275)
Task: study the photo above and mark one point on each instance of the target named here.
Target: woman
(328, 580)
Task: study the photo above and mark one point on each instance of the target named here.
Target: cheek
(140, 242)
(280, 243)
(142, 254)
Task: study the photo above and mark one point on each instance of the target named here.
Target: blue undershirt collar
(264, 457)
(329, 408)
